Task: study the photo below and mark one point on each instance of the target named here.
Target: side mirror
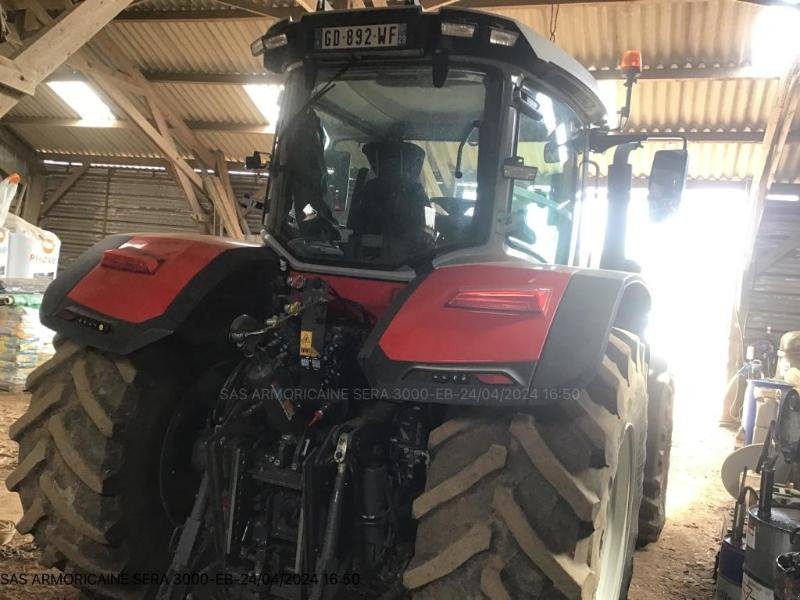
(551, 153)
(254, 162)
(667, 180)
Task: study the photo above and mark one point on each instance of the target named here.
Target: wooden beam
(225, 180)
(61, 39)
(123, 161)
(34, 195)
(205, 16)
(198, 214)
(22, 153)
(789, 244)
(211, 78)
(65, 186)
(776, 135)
(14, 79)
(246, 128)
(673, 73)
(90, 61)
(248, 6)
(437, 4)
(307, 5)
(126, 106)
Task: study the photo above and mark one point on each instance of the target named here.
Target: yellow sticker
(307, 344)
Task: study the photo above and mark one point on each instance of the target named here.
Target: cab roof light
(276, 41)
(462, 30)
(502, 37)
(511, 300)
(257, 47)
(631, 61)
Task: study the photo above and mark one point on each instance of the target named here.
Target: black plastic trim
(579, 334)
(122, 337)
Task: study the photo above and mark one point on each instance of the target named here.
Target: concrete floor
(678, 567)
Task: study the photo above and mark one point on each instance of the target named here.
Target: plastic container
(729, 571)
(750, 403)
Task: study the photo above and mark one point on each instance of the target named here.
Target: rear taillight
(494, 378)
(514, 300)
(130, 259)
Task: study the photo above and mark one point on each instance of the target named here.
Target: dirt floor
(678, 567)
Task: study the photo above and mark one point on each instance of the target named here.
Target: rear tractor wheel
(661, 394)
(540, 505)
(91, 455)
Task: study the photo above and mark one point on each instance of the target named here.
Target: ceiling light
(265, 97)
(774, 42)
(83, 100)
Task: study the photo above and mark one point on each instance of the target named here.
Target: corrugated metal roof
(193, 46)
(667, 33)
(215, 103)
(670, 34)
(702, 105)
(45, 103)
(78, 140)
(235, 146)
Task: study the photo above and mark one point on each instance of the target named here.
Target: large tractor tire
(661, 394)
(541, 504)
(90, 450)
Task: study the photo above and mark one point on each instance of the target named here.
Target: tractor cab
(408, 138)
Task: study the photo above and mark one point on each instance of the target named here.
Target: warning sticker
(307, 344)
(750, 533)
(753, 590)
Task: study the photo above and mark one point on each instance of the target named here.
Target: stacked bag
(24, 342)
(28, 260)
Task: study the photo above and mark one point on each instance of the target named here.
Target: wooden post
(71, 179)
(62, 38)
(34, 195)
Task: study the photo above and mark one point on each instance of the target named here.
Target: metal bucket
(766, 539)
(787, 577)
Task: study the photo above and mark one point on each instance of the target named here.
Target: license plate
(361, 36)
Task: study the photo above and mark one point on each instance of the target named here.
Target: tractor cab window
(541, 210)
(380, 168)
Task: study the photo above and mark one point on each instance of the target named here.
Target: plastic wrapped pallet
(26, 251)
(24, 342)
(28, 261)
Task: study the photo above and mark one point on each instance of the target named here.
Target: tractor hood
(406, 33)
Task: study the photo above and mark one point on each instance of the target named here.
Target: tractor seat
(393, 202)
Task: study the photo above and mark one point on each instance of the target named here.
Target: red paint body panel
(374, 295)
(136, 297)
(425, 330)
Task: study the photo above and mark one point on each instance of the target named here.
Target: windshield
(541, 211)
(380, 167)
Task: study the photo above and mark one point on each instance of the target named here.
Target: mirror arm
(601, 140)
(467, 133)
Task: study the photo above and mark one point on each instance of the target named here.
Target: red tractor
(411, 389)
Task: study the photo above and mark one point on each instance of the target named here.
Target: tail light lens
(517, 300)
(130, 259)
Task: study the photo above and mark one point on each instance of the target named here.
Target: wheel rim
(614, 545)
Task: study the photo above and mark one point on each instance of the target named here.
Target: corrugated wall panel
(772, 297)
(106, 201)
